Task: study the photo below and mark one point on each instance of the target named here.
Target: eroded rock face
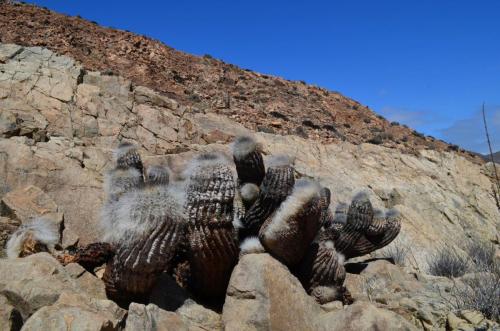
(59, 123)
(83, 115)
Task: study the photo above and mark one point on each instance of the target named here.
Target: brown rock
(28, 202)
(38, 280)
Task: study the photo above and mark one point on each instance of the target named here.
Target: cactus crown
(126, 155)
(243, 146)
(304, 191)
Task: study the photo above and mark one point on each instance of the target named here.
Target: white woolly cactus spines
(39, 234)
(290, 230)
(248, 160)
(151, 225)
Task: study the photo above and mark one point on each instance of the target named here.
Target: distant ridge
(487, 158)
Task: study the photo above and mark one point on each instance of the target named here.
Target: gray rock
(190, 317)
(362, 316)
(38, 280)
(77, 312)
(150, 317)
(264, 295)
(10, 317)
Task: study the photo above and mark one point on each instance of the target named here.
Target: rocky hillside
(257, 101)
(65, 106)
(58, 124)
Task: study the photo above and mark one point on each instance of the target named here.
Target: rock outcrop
(65, 121)
(58, 124)
(257, 101)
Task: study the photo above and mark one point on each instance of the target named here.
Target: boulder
(25, 203)
(10, 317)
(190, 317)
(73, 311)
(38, 280)
(264, 295)
(199, 318)
(150, 317)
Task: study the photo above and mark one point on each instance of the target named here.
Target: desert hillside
(71, 91)
(257, 101)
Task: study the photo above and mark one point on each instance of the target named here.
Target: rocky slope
(58, 124)
(257, 101)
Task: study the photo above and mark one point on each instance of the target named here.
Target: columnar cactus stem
(290, 231)
(276, 187)
(213, 244)
(322, 271)
(380, 233)
(248, 160)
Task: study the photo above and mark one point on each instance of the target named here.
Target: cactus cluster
(196, 228)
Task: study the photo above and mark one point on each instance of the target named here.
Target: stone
(28, 202)
(7, 227)
(363, 316)
(8, 51)
(472, 316)
(198, 317)
(421, 299)
(264, 295)
(10, 317)
(77, 312)
(456, 323)
(38, 280)
(150, 317)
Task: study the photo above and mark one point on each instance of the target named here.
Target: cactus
(381, 232)
(248, 160)
(364, 230)
(290, 231)
(212, 239)
(359, 217)
(322, 271)
(276, 187)
(146, 239)
(157, 175)
(127, 156)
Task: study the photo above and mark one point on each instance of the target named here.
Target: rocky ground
(58, 124)
(257, 101)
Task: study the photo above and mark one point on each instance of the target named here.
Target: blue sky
(428, 64)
